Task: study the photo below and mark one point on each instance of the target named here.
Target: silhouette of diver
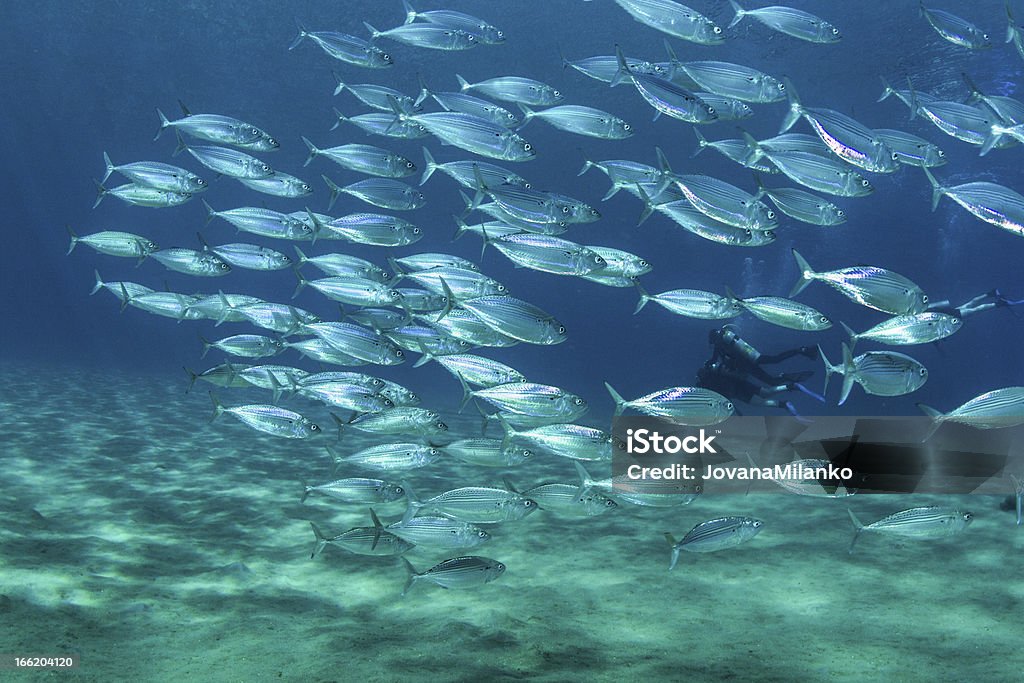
(983, 302)
(734, 364)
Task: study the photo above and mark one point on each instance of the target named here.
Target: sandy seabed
(157, 546)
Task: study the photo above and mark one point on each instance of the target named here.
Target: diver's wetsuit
(982, 302)
(736, 354)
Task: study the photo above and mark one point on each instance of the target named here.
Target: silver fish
(488, 452)
(487, 33)
(464, 172)
(346, 48)
(474, 134)
(377, 96)
(114, 243)
(517, 319)
(877, 288)
(141, 195)
(910, 149)
(245, 345)
(344, 265)
(604, 68)
(387, 125)
(576, 442)
(803, 206)
(792, 22)
(251, 256)
(992, 203)
(399, 420)
(665, 96)
(548, 254)
(458, 572)
(515, 89)
(384, 192)
(921, 523)
(714, 534)
(279, 184)
(357, 341)
(366, 540)
(587, 121)
(784, 312)
(439, 532)
(429, 36)
(694, 406)
(157, 175)
(992, 410)
(259, 221)
(477, 370)
(568, 499)
(192, 262)
(391, 456)
(357, 490)
(909, 329)
(692, 303)
(364, 159)
(735, 81)
(469, 104)
(955, 29)
(371, 228)
(269, 419)
(477, 504)
(229, 162)
(880, 373)
(527, 398)
(223, 130)
(675, 19)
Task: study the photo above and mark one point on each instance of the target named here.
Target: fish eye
(924, 298)
(265, 167)
(528, 503)
(394, 294)
(255, 131)
(984, 36)
(510, 116)
(578, 401)
(409, 164)
(771, 214)
(941, 154)
(223, 266)
(561, 329)
(565, 209)
(556, 93)
(306, 188)
(824, 319)
(306, 228)
(415, 231)
(527, 146)
(432, 451)
(273, 142)
(314, 428)
(782, 86)
(728, 405)
(527, 185)
(711, 110)
(835, 32)
(398, 352)
(840, 212)
(865, 183)
(599, 260)
(922, 372)
(895, 156)
(201, 182)
(386, 57)
(399, 490)
(626, 126)
(501, 288)
(442, 426)
(481, 534)
(500, 35)
(717, 30)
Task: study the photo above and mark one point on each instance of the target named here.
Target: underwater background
(154, 544)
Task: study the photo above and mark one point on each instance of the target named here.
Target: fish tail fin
(586, 481)
(301, 256)
(702, 142)
(807, 274)
(306, 490)
(73, 237)
(793, 114)
(99, 283)
(858, 527)
(467, 393)
(675, 551)
(829, 369)
(623, 73)
(886, 90)
(192, 377)
(206, 345)
(302, 281)
(302, 34)
(936, 416)
(110, 167)
(321, 540)
(849, 374)
(218, 407)
(377, 529)
(449, 303)
(913, 99)
(410, 13)
(587, 163)
(313, 151)
(620, 403)
(464, 85)
(937, 189)
(424, 91)
(210, 213)
(164, 123)
(991, 140)
(126, 298)
(740, 13)
(339, 118)
(425, 355)
(374, 33)
(429, 166)
(561, 55)
(673, 60)
(411, 578)
(509, 432)
(850, 333)
(648, 205)
(528, 115)
(462, 227)
(644, 296)
(335, 191)
(101, 192)
(338, 89)
(181, 146)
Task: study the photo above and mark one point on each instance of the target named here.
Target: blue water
(81, 79)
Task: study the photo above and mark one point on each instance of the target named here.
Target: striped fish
(783, 312)
(880, 373)
(694, 406)
(714, 534)
(477, 504)
(877, 288)
(437, 532)
(992, 203)
(917, 523)
(363, 540)
(909, 329)
(517, 319)
(992, 410)
(457, 572)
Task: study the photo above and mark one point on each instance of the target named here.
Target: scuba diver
(734, 364)
(983, 302)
